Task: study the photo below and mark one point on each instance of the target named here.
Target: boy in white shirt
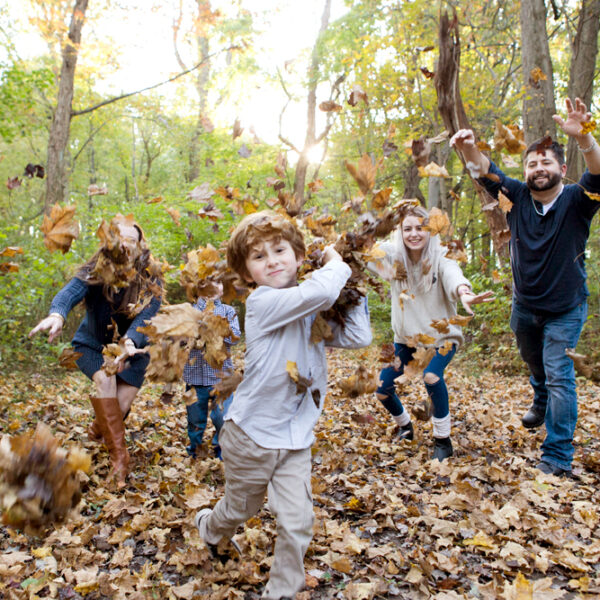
(268, 431)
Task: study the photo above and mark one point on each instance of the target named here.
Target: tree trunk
(56, 181)
(311, 137)
(453, 114)
(538, 103)
(581, 76)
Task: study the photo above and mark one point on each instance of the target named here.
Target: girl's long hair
(419, 278)
(147, 280)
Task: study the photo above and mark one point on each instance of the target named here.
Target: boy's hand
(330, 253)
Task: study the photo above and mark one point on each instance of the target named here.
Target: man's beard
(545, 185)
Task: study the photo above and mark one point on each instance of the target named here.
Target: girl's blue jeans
(438, 392)
(197, 417)
(542, 340)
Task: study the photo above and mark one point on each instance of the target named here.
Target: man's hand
(54, 324)
(576, 116)
(464, 142)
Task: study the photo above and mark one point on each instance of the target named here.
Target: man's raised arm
(476, 162)
(574, 125)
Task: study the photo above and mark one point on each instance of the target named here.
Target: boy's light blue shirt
(278, 322)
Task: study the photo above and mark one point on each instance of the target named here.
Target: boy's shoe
(442, 448)
(213, 548)
(217, 451)
(534, 417)
(191, 451)
(549, 469)
(404, 432)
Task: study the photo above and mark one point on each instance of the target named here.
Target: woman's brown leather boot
(93, 431)
(112, 428)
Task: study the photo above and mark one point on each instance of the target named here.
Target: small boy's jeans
(438, 391)
(197, 416)
(251, 470)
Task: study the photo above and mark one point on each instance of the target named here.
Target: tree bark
(538, 103)
(56, 181)
(311, 137)
(581, 75)
(453, 114)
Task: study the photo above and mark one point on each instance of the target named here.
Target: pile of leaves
(39, 481)
(390, 523)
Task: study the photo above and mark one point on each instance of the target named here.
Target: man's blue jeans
(542, 340)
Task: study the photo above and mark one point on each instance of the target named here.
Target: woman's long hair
(419, 278)
(143, 276)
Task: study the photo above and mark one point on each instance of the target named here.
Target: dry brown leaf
(59, 228)
(504, 203)
(438, 222)
(364, 173)
(433, 170)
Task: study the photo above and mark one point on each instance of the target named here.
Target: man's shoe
(213, 548)
(534, 417)
(549, 469)
(442, 448)
(404, 432)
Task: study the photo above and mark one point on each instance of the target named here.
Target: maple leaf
(362, 381)
(587, 127)
(201, 192)
(441, 325)
(504, 203)
(536, 75)
(315, 186)
(428, 74)
(420, 359)
(59, 228)
(330, 106)
(68, 358)
(381, 199)
(433, 170)
(445, 348)
(510, 138)
(364, 173)
(584, 365)
(438, 222)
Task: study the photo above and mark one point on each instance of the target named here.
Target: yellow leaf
(42, 552)
(343, 565)
(587, 127)
(481, 540)
(433, 170)
(593, 196)
(438, 222)
(504, 203)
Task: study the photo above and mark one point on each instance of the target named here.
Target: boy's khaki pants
(249, 471)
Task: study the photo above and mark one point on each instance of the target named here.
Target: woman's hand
(130, 350)
(54, 323)
(468, 298)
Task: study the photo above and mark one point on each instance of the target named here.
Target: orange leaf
(59, 228)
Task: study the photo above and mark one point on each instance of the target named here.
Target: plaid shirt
(201, 373)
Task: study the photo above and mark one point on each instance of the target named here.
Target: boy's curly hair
(256, 228)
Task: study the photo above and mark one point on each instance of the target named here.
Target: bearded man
(550, 225)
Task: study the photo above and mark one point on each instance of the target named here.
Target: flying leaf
(11, 251)
(59, 228)
(155, 200)
(460, 320)
(320, 330)
(421, 151)
(244, 151)
(9, 267)
(445, 348)
(509, 162)
(174, 214)
(32, 170)
(315, 186)
(362, 381)
(504, 203)
(210, 211)
(357, 94)
(97, 190)
(381, 199)
(592, 195)
(202, 192)
(587, 127)
(364, 173)
(438, 222)
(441, 325)
(510, 138)
(237, 129)
(428, 74)
(281, 164)
(13, 183)
(433, 170)
(226, 386)
(388, 353)
(68, 358)
(330, 106)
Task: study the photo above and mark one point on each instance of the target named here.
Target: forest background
(251, 115)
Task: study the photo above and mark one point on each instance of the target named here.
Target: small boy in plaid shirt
(197, 373)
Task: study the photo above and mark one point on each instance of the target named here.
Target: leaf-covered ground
(390, 523)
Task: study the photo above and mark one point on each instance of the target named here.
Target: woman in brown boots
(121, 286)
